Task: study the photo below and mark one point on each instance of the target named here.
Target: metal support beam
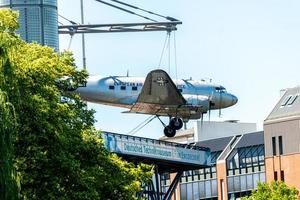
(157, 183)
(111, 28)
(82, 37)
(173, 186)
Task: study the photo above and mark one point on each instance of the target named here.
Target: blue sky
(250, 47)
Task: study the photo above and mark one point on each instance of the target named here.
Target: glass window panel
(280, 145)
(189, 191)
(207, 189)
(214, 188)
(249, 182)
(214, 175)
(213, 169)
(243, 171)
(202, 189)
(230, 184)
(202, 177)
(285, 100)
(183, 191)
(237, 184)
(292, 100)
(243, 183)
(168, 182)
(256, 169)
(255, 179)
(249, 169)
(196, 194)
(236, 171)
(262, 177)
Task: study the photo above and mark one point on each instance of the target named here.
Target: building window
(134, 88)
(123, 87)
(111, 87)
(282, 175)
(280, 145)
(275, 176)
(274, 145)
(286, 99)
(292, 100)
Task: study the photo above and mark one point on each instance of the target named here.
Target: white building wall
(211, 130)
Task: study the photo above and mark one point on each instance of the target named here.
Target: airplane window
(123, 87)
(111, 87)
(220, 89)
(134, 88)
(179, 90)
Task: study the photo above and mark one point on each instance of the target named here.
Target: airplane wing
(159, 95)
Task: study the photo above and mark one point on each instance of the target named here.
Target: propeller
(209, 105)
(201, 122)
(220, 109)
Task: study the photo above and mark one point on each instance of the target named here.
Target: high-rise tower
(38, 20)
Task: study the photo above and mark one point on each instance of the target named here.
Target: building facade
(282, 140)
(38, 20)
(238, 164)
(207, 130)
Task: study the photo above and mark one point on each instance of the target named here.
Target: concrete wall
(212, 130)
(290, 132)
(288, 163)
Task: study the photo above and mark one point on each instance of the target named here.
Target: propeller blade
(209, 105)
(201, 122)
(220, 109)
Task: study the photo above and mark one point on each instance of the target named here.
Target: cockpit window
(220, 89)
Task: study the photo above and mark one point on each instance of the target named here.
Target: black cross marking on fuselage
(161, 81)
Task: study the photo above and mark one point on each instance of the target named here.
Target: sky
(251, 47)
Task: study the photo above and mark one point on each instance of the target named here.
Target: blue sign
(123, 144)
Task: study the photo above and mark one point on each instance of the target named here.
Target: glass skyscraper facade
(38, 20)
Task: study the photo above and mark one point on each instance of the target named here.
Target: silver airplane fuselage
(123, 92)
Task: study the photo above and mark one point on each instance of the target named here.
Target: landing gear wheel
(169, 131)
(176, 123)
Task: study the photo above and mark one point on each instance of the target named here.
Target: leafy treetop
(58, 152)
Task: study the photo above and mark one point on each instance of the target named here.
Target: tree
(277, 190)
(58, 153)
(8, 183)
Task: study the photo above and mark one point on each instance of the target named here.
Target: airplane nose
(234, 99)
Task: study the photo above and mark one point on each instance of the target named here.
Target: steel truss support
(111, 28)
(173, 186)
(153, 189)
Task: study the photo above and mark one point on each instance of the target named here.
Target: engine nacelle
(197, 101)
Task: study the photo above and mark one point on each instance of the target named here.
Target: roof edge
(281, 119)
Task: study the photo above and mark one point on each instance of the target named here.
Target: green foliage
(275, 191)
(8, 184)
(8, 126)
(58, 153)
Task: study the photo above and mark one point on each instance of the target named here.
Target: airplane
(180, 100)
